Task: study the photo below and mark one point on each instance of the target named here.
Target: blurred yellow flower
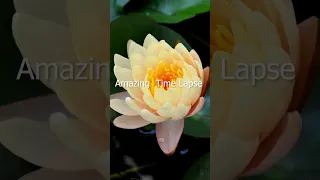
(250, 31)
(73, 144)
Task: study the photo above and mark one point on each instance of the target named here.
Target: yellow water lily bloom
(167, 85)
(251, 127)
(66, 134)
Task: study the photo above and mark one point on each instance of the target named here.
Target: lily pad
(200, 170)
(169, 11)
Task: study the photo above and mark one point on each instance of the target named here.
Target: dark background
(196, 31)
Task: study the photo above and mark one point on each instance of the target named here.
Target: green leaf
(136, 28)
(169, 11)
(200, 170)
(199, 124)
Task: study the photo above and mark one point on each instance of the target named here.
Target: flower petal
(34, 142)
(38, 108)
(118, 103)
(168, 135)
(49, 174)
(130, 122)
(49, 42)
(151, 117)
(185, 54)
(148, 40)
(122, 61)
(290, 28)
(309, 60)
(82, 139)
(167, 110)
(230, 155)
(43, 41)
(277, 145)
(181, 111)
(89, 24)
(196, 107)
(44, 9)
(206, 73)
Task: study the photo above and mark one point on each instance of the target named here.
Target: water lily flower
(67, 134)
(255, 126)
(163, 99)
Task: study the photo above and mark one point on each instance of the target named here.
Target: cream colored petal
(151, 62)
(82, 139)
(150, 117)
(123, 74)
(180, 48)
(44, 9)
(249, 117)
(222, 90)
(86, 101)
(118, 103)
(291, 29)
(122, 61)
(167, 110)
(149, 99)
(195, 56)
(198, 63)
(189, 95)
(176, 55)
(34, 142)
(181, 112)
(172, 95)
(43, 42)
(89, 23)
(230, 155)
(148, 40)
(165, 56)
(49, 42)
(137, 106)
(90, 28)
(205, 83)
(49, 174)
(139, 74)
(165, 46)
(137, 59)
(134, 48)
(130, 122)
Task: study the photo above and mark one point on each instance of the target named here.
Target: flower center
(163, 75)
(224, 38)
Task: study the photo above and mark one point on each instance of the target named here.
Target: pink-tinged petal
(34, 142)
(230, 155)
(38, 108)
(130, 122)
(277, 145)
(168, 135)
(309, 61)
(196, 107)
(49, 174)
(118, 103)
(206, 72)
(195, 55)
